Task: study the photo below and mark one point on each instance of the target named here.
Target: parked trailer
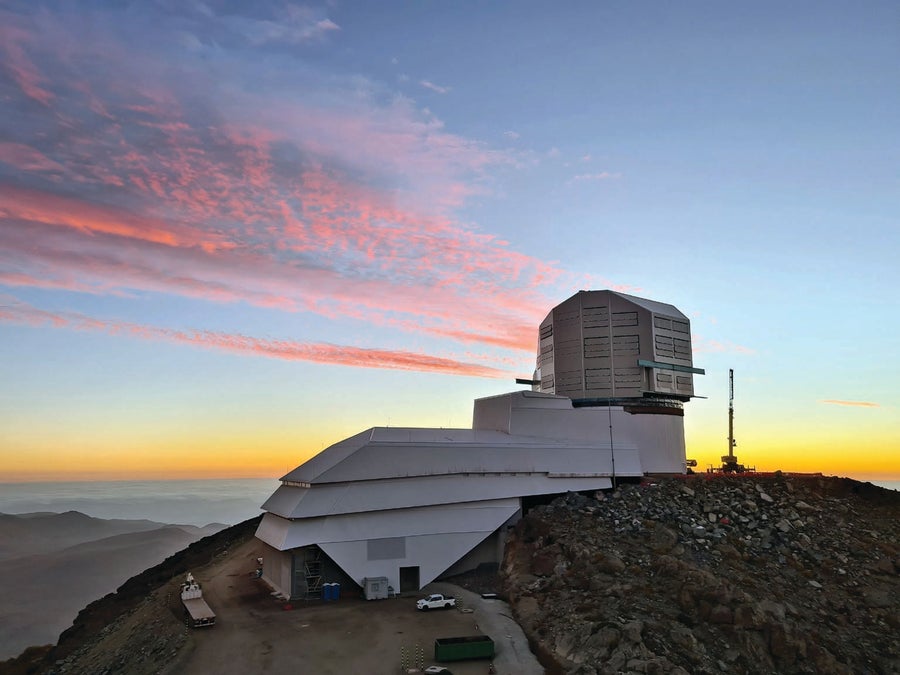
(462, 648)
(199, 613)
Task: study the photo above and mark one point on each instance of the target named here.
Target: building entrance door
(409, 579)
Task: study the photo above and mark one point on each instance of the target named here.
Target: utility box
(375, 588)
(462, 648)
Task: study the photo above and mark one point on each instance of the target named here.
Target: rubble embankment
(712, 574)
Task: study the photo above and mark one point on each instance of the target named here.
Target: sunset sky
(234, 233)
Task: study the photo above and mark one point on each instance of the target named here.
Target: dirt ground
(254, 633)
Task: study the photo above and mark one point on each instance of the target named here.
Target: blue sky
(245, 233)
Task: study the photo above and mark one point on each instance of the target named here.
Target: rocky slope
(712, 574)
(138, 628)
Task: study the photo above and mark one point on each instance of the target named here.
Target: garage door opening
(409, 579)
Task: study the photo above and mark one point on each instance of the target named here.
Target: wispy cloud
(256, 25)
(594, 177)
(213, 181)
(34, 206)
(290, 350)
(702, 345)
(13, 42)
(434, 87)
(512, 135)
(26, 158)
(852, 404)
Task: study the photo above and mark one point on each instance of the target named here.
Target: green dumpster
(461, 648)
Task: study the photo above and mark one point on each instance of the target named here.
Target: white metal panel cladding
(336, 453)
(410, 493)
(391, 461)
(392, 498)
(470, 517)
(273, 530)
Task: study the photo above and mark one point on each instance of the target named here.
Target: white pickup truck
(436, 601)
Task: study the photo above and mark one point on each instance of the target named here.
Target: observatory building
(409, 505)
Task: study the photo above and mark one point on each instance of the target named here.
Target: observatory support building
(409, 505)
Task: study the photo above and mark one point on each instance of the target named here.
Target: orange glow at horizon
(168, 465)
(165, 456)
(255, 456)
(836, 455)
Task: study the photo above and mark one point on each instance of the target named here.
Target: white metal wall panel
(277, 569)
(273, 530)
(470, 517)
(661, 439)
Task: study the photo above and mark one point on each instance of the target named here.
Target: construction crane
(730, 461)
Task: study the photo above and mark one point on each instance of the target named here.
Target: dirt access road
(254, 634)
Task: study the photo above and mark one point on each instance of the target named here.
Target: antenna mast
(729, 461)
(731, 442)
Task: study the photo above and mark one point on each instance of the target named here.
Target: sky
(232, 234)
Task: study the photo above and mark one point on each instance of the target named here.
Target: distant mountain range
(53, 564)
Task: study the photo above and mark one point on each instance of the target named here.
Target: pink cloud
(853, 404)
(59, 283)
(453, 281)
(50, 257)
(26, 158)
(290, 350)
(17, 63)
(42, 207)
(339, 201)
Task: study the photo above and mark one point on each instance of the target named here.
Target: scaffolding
(312, 572)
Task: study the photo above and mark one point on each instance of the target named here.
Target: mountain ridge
(54, 564)
(26, 534)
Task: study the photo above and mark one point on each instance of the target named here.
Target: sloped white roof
(387, 452)
(656, 307)
(329, 457)
(290, 501)
(652, 305)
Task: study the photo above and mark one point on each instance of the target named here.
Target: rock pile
(715, 574)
